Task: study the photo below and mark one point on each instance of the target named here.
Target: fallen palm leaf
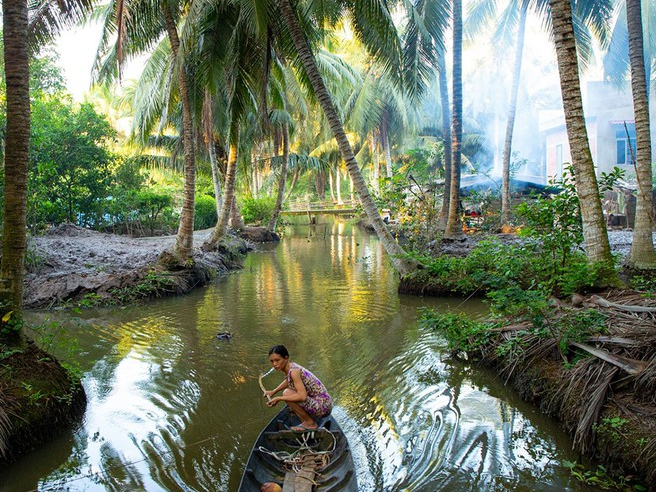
(625, 307)
(631, 366)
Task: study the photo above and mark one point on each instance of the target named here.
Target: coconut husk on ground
(603, 390)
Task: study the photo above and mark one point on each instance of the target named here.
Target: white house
(611, 130)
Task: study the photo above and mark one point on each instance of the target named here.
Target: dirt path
(69, 261)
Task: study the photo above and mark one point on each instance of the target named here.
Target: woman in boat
(303, 392)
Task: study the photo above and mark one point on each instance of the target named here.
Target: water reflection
(173, 408)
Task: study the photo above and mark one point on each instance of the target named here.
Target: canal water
(173, 408)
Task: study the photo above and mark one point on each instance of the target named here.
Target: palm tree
(617, 65)
(423, 55)
(396, 252)
(185, 238)
(221, 228)
(642, 248)
(282, 178)
(510, 124)
(453, 223)
(16, 156)
(138, 27)
(446, 139)
(594, 227)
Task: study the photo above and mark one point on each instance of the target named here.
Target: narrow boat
(310, 461)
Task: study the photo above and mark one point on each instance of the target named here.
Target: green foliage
(555, 225)
(645, 281)
(577, 326)
(139, 205)
(555, 221)
(51, 337)
(205, 212)
(154, 284)
(461, 333)
(257, 210)
(602, 479)
(412, 197)
(70, 164)
(519, 304)
(10, 323)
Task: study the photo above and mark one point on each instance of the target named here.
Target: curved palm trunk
(282, 179)
(397, 255)
(595, 235)
(185, 239)
(446, 135)
(642, 248)
(510, 125)
(221, 228)
(453, 224)
(17, 146)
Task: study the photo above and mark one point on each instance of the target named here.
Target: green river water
(172, 408)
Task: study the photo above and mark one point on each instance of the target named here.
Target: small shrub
(257, 210)
(461, 333)
(204, 212)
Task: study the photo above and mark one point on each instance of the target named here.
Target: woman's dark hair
(281, 350)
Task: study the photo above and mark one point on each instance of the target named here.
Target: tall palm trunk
(642, 249)
(446, 135)
(185, 239)
(375, 164)
(338, 185)
(453, 224)
(208, 123)
(510, 125)
(282, 179)
(384, 137)
(221, 228)
(17, 146)
(216, 179)
(236, 219)
(396, 253)
(595, 235)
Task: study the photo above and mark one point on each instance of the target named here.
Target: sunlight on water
(171, 407)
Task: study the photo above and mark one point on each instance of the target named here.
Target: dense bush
(205, 212)
(70, 169)
(257, 210)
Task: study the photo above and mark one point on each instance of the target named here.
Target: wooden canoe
(310, 461)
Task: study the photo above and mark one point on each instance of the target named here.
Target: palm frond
(48, 18)
(373, 26)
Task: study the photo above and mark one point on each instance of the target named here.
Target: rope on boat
(305, 456)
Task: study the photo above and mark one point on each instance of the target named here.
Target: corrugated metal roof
(621, 122)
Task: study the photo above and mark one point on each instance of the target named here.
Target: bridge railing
(306, 205)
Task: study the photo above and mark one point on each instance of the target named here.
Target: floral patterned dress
(318, 402)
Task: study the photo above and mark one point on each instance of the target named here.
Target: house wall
(605, 107)
(606, 103)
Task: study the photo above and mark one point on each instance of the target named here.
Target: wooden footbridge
(305, 207)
